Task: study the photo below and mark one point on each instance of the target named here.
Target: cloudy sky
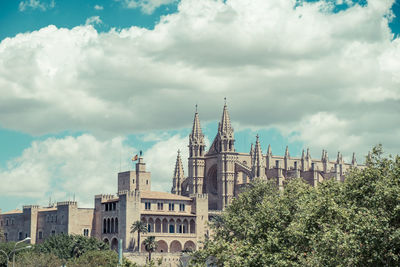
(85, 85)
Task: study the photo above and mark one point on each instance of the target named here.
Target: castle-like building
(177, 219)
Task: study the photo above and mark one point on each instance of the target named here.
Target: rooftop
(162, 195)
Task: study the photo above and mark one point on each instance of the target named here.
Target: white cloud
(147, 6)
(59, 168)
(161, 159)
(36, 4)
(98, 7)
(279, 66)
(93, 20)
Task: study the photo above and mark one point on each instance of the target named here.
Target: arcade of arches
(170, 225)
(175, 246)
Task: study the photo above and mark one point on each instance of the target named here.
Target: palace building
(178, 219)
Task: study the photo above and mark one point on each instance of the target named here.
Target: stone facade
(222, 172)
(178, 219)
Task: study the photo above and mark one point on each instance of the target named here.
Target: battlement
(67, 203)
(130, 194)
(199, 196)
(32, 207)
(106, 197)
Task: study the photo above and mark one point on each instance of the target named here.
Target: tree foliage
(354, 223)
(150, 245)
(70, 246)
(35, 259)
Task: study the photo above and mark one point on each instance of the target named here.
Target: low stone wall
(166, 259)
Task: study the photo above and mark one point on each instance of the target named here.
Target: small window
(277, 164)
(147, 205)
(26, 235)
(12, 221)
(295, 165)
(147, 181)
(53, 232)
(133, 181)
(20, 236)
(171, 228)
(85, 232)
(171, 206)
(312, 166)
(40, 235)
(181, 207)
(1, 223)
(160, 206)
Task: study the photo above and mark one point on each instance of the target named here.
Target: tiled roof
(162, 195)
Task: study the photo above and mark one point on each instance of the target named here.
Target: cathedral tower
(196, 157)
(226, 156)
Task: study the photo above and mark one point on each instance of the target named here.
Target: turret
(286, 158)
(325, 160)
(257, 160)
(354, 160)
(178, 175)
(224, 141)
(269, 158)
(196, 157)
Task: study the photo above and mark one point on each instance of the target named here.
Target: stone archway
(162, 246)
(189, 246)
(211, 187)
(175, 246)
(105, 240)
(114, 244)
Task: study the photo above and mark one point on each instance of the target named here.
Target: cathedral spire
(339, 158)
(308, 153)
(303, 155)
(287, 155)
(178, 175)
(269, 151)
(196, 130)
(224, 126)
(257, 161)
(354, 160)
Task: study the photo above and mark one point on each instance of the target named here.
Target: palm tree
(139, 227)
(150, 245)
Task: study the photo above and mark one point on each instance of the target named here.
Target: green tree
(95, 258)
(150, 245)
(139, 227)
(66, 247)
(354, 223)
(2, 237)
(35, 259)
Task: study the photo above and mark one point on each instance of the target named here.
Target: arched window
(104, 226)
(165, 226)
(158, 226)
(108, 225)
(192, 227)
(112, 225)
(171, 226)
(116, 225)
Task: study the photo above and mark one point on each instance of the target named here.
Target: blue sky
(111, 78)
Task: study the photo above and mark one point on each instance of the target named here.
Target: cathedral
(222, 172)
(177, 220)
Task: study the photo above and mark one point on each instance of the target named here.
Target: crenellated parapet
(31, 207)
(67, 203)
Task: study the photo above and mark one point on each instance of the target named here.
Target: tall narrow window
(147, 205)
(181, 207)
(171, 206)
